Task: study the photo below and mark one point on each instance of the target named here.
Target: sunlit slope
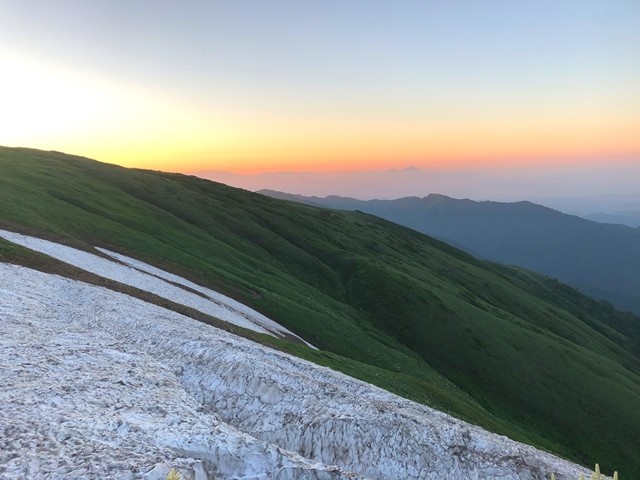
(513, 351)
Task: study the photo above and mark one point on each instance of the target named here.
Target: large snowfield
(97, 384)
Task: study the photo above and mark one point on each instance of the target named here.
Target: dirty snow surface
(145, 277)
(97, 384)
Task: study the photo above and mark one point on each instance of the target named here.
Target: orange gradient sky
(298, 86)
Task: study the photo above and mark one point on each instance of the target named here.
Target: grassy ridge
(512, 351)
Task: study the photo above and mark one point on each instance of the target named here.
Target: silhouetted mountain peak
(438, 196)
(409, 169)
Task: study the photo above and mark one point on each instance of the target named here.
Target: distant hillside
(602, 260)
(630, 218)
(518, 353)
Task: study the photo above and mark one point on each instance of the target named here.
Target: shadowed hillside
(602, 260)
(515, 352)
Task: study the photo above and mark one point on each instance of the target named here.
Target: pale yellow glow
(54, 108)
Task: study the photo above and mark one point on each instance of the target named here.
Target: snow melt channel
(153, 280)
(102, 385)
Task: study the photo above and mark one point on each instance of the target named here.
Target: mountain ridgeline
(513, 351)
(601, 260)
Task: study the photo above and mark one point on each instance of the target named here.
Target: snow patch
(79, 400)
(153, 280)
(216, 297)
(101, 385)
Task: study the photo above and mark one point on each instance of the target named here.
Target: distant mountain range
(584, 190)
(629, 218)
(602, 260)
(623, 209)
(360, 184)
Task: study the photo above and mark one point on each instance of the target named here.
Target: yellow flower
(173, 475)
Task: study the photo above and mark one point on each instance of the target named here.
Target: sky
(323, 86)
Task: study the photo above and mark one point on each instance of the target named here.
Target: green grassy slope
(512, 351)
(602, 260)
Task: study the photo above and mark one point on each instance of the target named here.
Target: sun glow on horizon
(53, 108)
(227, 94)
(60, 109)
